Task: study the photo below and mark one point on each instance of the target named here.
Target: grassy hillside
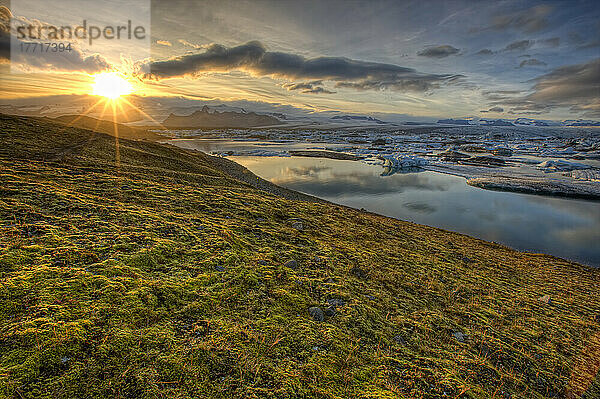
(108, 127)
(144, 271)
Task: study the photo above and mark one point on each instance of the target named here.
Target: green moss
(161, 276)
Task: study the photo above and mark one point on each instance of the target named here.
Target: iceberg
(561, 165)
(400, 161)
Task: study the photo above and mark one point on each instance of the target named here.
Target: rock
(330, 311)
(292, 264)
(219, 268)
(460, 337)
(298, 225)
(598, 318)
(545, 299)
(262, 262)
(336, 302)
(316, 313)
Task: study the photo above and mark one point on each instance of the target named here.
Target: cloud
(592, 44)
(309, 87)
(576, 87)
(253, 58)
(188, 44)
(532, 62)
(46, 61)
(530, 20)
(519, 45)
(438, 51)
(164, 43)
(494, 109)
(552, 42)
(485, 51)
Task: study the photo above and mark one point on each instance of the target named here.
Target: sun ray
(143, 113)
(85, 113)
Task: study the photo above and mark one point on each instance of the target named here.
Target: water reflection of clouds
(307, 170)
(420, 207)
(584, 234)
(327, 182)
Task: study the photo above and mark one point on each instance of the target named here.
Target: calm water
(562, 227)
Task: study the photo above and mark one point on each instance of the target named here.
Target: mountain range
(216, 119)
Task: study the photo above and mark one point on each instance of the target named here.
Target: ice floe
(561, 165)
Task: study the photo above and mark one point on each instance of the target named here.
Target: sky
(486, 59)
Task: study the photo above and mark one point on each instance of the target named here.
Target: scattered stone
(219, 268)
(330, 311)
(336, 302)
(400, 339)
(292, 264)
(263, 262)
(598, 318)
(330, 281)
(460, 337)
(358, 272)
(545, 299)
(316, 313)
(484, 350)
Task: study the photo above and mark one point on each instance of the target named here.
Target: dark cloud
(309, 87)
(438, 51)
(576, 87)
(552, 42)
(519, 45)
(485, 51)
(592, 44)
(530, 20)
(253, 58)
(494, 109)
(5, 16)
(318, 90)
(531, 62)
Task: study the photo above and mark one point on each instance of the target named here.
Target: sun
(111, 85)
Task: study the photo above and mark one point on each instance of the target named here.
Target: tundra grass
(143, 271)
